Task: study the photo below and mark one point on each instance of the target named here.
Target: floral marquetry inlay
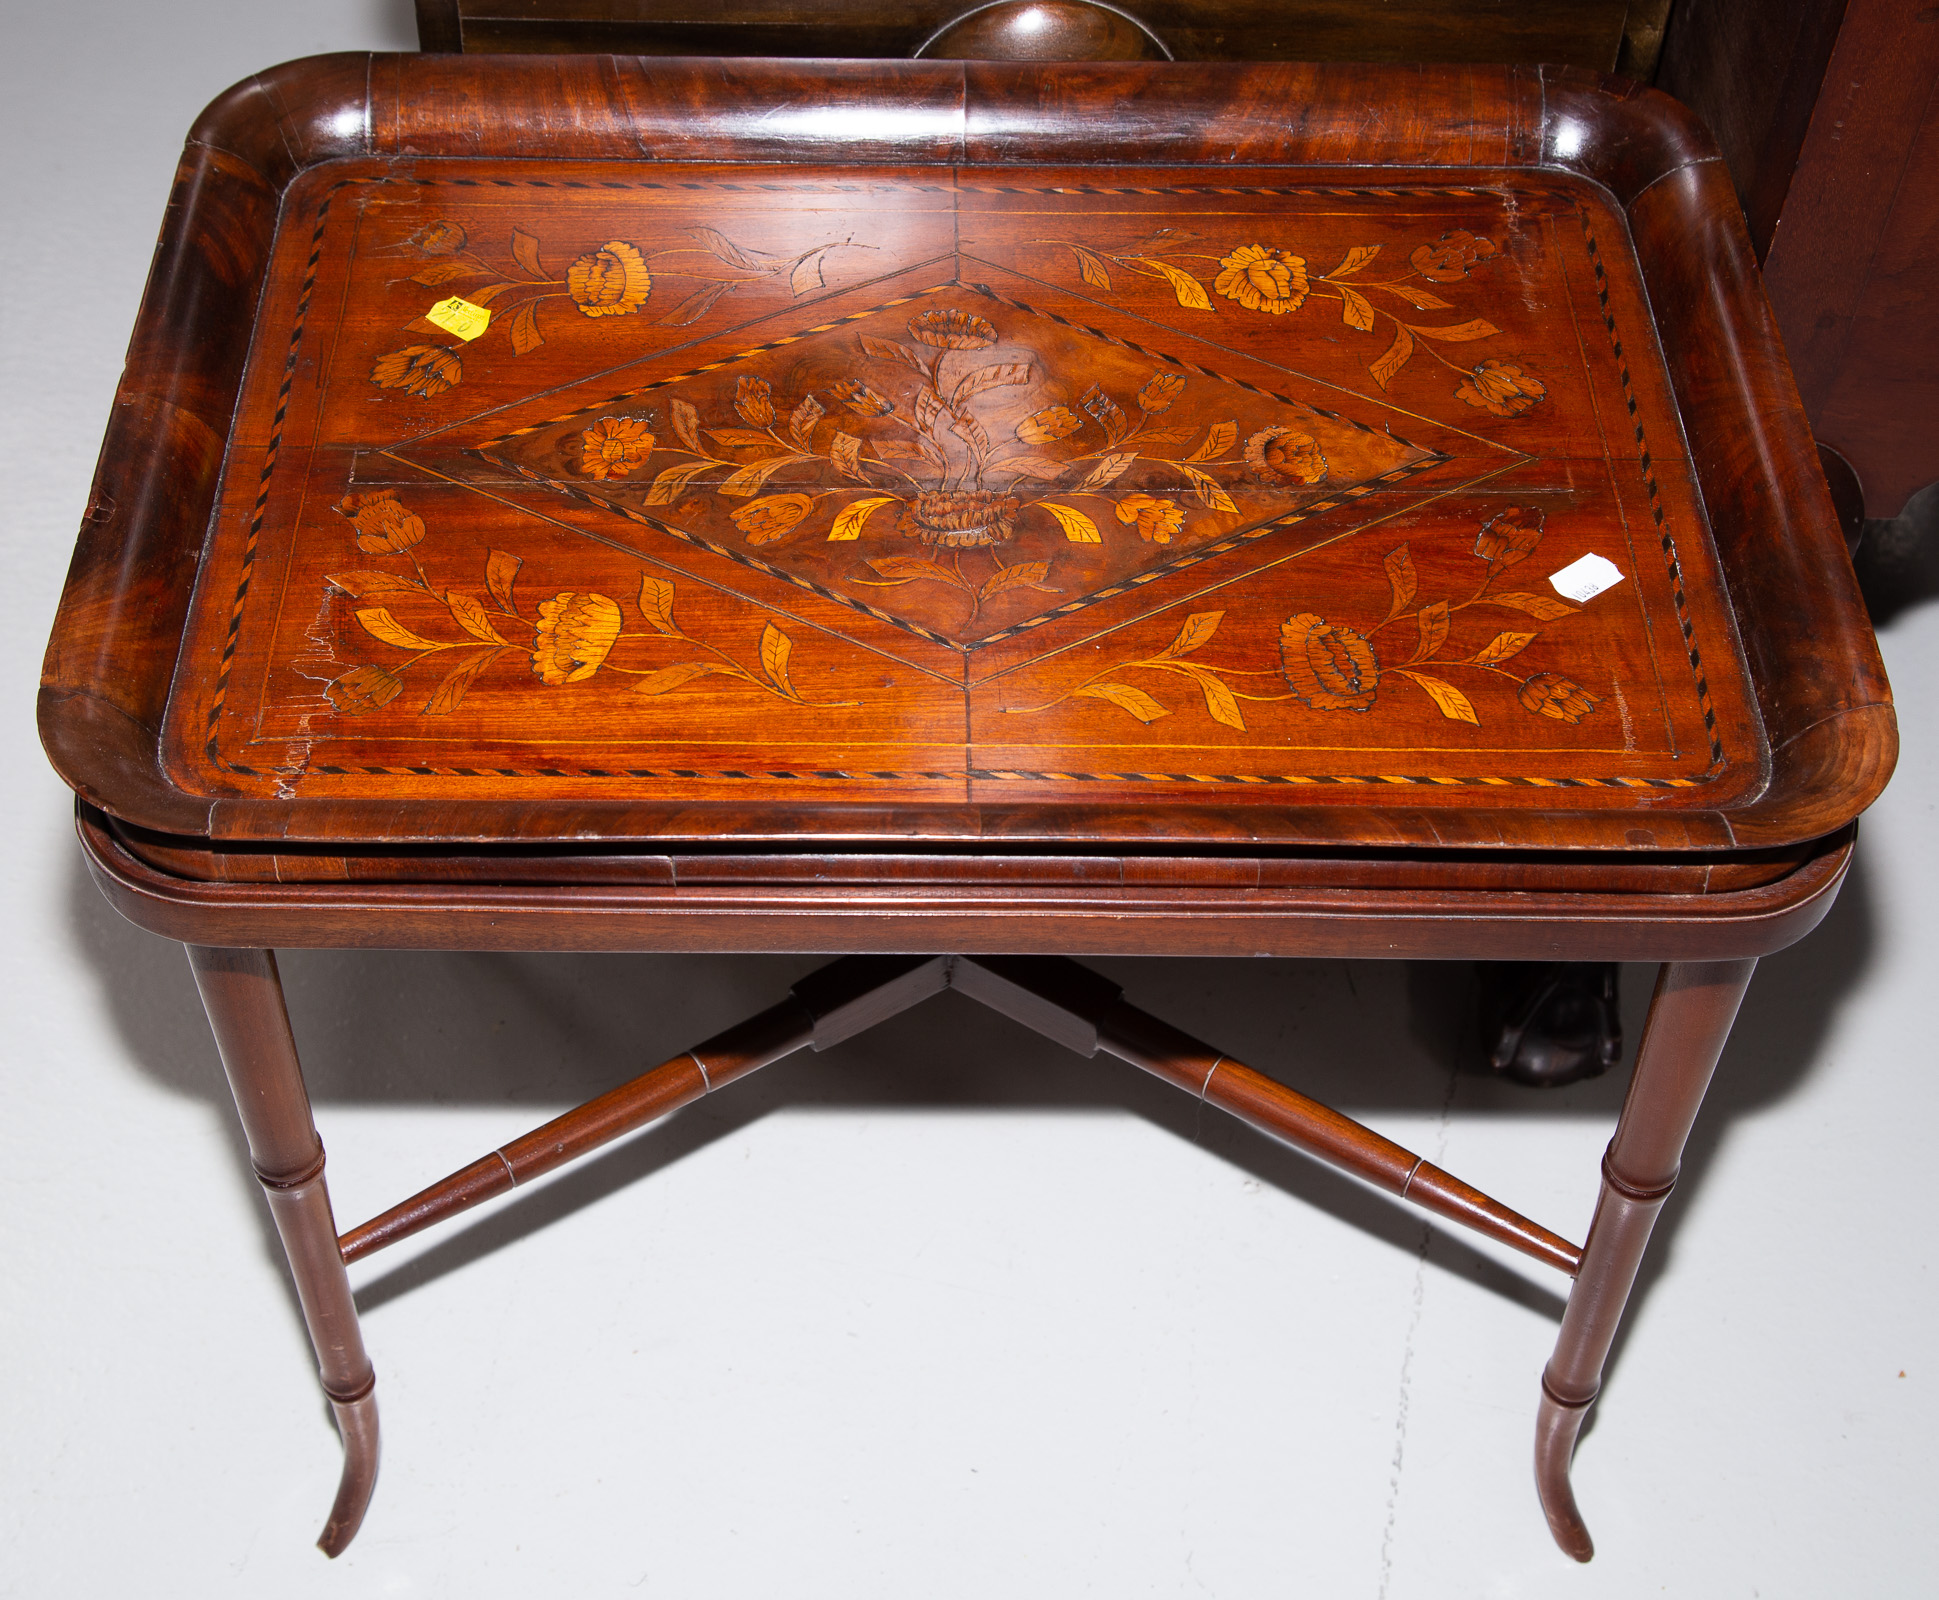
(960, 462)
(915, 485)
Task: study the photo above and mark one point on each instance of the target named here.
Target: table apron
(1356, 923)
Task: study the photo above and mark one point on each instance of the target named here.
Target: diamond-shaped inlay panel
(961, 464)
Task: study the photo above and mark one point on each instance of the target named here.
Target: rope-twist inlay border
(272, 452)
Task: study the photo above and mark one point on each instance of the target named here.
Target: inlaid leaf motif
(1459, 333)
(1003, 375)
(686, 424)
(379, 623)
(726, 250)
(525, 251)
(1034, 466)
(446, 272)
(1219, 438)
(669, 484)
(1220, 701)
(1542, 607)
(752, 477)
(1024, 575)
(457, 683)
(889, 350)
(802, 424)
(1451, 702)
(907, 569)
(1356, 311)
(1186, 289)
(1434, 629)
(845, 450)
(656, 603)
(485, 293)
(1501, 647)
(1384, 369)
(1421, 298)
(686, 312)
(929, 406)
(473, 617)
(1198, 628)
(362, 582)
(1125, 695)
(744, 439)
(1359, 256)
(899, 450)
(525, 329)
(668, 679)
(849, 524)
(1091, 266)
(972, 433)
(1401, 575)
(1078, 528)
(776, 647)
(1112, 466)
(806, 274)
(501, 572)
(1208, 489)
(362, 690)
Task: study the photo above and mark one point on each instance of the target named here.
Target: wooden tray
(600, 451)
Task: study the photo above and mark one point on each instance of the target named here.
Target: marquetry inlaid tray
(1197, 456)
(956, 487)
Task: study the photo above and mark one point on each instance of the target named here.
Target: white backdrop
(944, 1313)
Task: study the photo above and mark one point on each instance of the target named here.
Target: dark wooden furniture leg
(244, 999)
(1689, 1020)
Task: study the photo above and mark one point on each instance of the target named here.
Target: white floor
(945, 1313)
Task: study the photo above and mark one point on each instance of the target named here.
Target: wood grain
(1072, 508)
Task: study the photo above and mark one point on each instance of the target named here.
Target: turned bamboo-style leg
(1689, 1020)
(244, 999)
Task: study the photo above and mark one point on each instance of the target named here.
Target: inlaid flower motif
(575, 634)
(1286, 453)
(1157, 520)
(610, 282)
(440, 238)
(614, 446)
(1049, 425)
(754, 400)
(1160, 389)
(953, 330)
(384, 527)
(1263, 280)
(1330, 668)
(364, 689)
(1450, 256)
(861, 399)
(961, 519)
(1509, 536)
(766, 519)
(1503, 388)
(422, 369)
(1555, 696)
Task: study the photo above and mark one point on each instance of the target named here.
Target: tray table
(958, 516)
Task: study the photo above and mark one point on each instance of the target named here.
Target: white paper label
(1585, 579)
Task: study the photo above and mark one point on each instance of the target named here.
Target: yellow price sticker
(460, 316)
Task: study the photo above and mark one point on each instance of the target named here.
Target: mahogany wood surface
(1600, 34)
(1058, 998)
(1689, 1021)
(442, 602)
(940, 510)
(243, 996)
(1145, 916)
